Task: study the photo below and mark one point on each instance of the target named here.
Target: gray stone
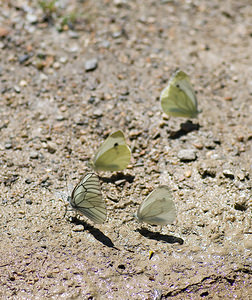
(187, 155)
(91, 65)
(34, 155)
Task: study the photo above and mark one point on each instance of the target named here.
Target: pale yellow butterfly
(113, 155)
(178, 99)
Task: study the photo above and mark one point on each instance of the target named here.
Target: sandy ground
(55, 112)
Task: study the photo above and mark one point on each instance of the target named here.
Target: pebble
(248, 243)
(187, 155)
(28, 201)
(56, 65)
(73, 34)
(34, 155)
(207, 169)
(91, 65)
(74, 48)
(23, 58)
(63, 59)
(23, 83)
(60, 118)
(105, 44)
(78, 228)
(8, 146)
(31, 18)
(43, 77)
(51, 147)
(28, 180)
(98, 113)
(228, 174)
(240, 175)
(17, 89)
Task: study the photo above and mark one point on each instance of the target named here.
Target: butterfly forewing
(87, 198)
(158, 208)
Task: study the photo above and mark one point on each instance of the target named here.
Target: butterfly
(158, 208)
(87, 199)
(113, 154)
(178, 99)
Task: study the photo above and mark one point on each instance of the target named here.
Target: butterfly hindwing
(87, 199)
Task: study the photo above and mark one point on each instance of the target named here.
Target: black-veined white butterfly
(87, 199)
(158, 207)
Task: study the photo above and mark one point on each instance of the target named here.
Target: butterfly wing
(87, 199)
(178, 99)
(113, 155)
(158, 208)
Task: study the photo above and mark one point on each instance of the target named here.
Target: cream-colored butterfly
(178, 99)
(113, 155)
(87, 199)
(158, 208)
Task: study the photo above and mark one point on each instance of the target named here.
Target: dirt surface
(57, 107)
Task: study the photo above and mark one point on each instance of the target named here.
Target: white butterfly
(87, 199)
(113, 154)
(158, 208)
(178, 99)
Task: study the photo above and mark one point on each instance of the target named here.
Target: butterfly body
(87, 199)
(158, 208)
(178, 99)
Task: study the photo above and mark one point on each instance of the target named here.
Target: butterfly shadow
(160, 237)
(185, 128)
(96, 233)
(118, 178)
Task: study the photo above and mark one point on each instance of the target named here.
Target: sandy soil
(55, 113)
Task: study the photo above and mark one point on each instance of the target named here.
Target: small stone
(240, 175)
(228, 174)
(120, 181)
(17, 89)
(23, 83)
(78, 228)
(248, 243)
(60, 118)
(56, 65)
(105, 44)
(240, 206)
(188, 173)
(34, 155)
(91, 65)
(74, 48)
(98, 113)
(43, 77)
(31, 18)
(117, 34)
(73, 34)
(28, 181)
(28, 201)
(210, 145)
(23, 58)
(51, 147)
(187, 155)
(207, 169)
(8, 146)
(63, 59)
